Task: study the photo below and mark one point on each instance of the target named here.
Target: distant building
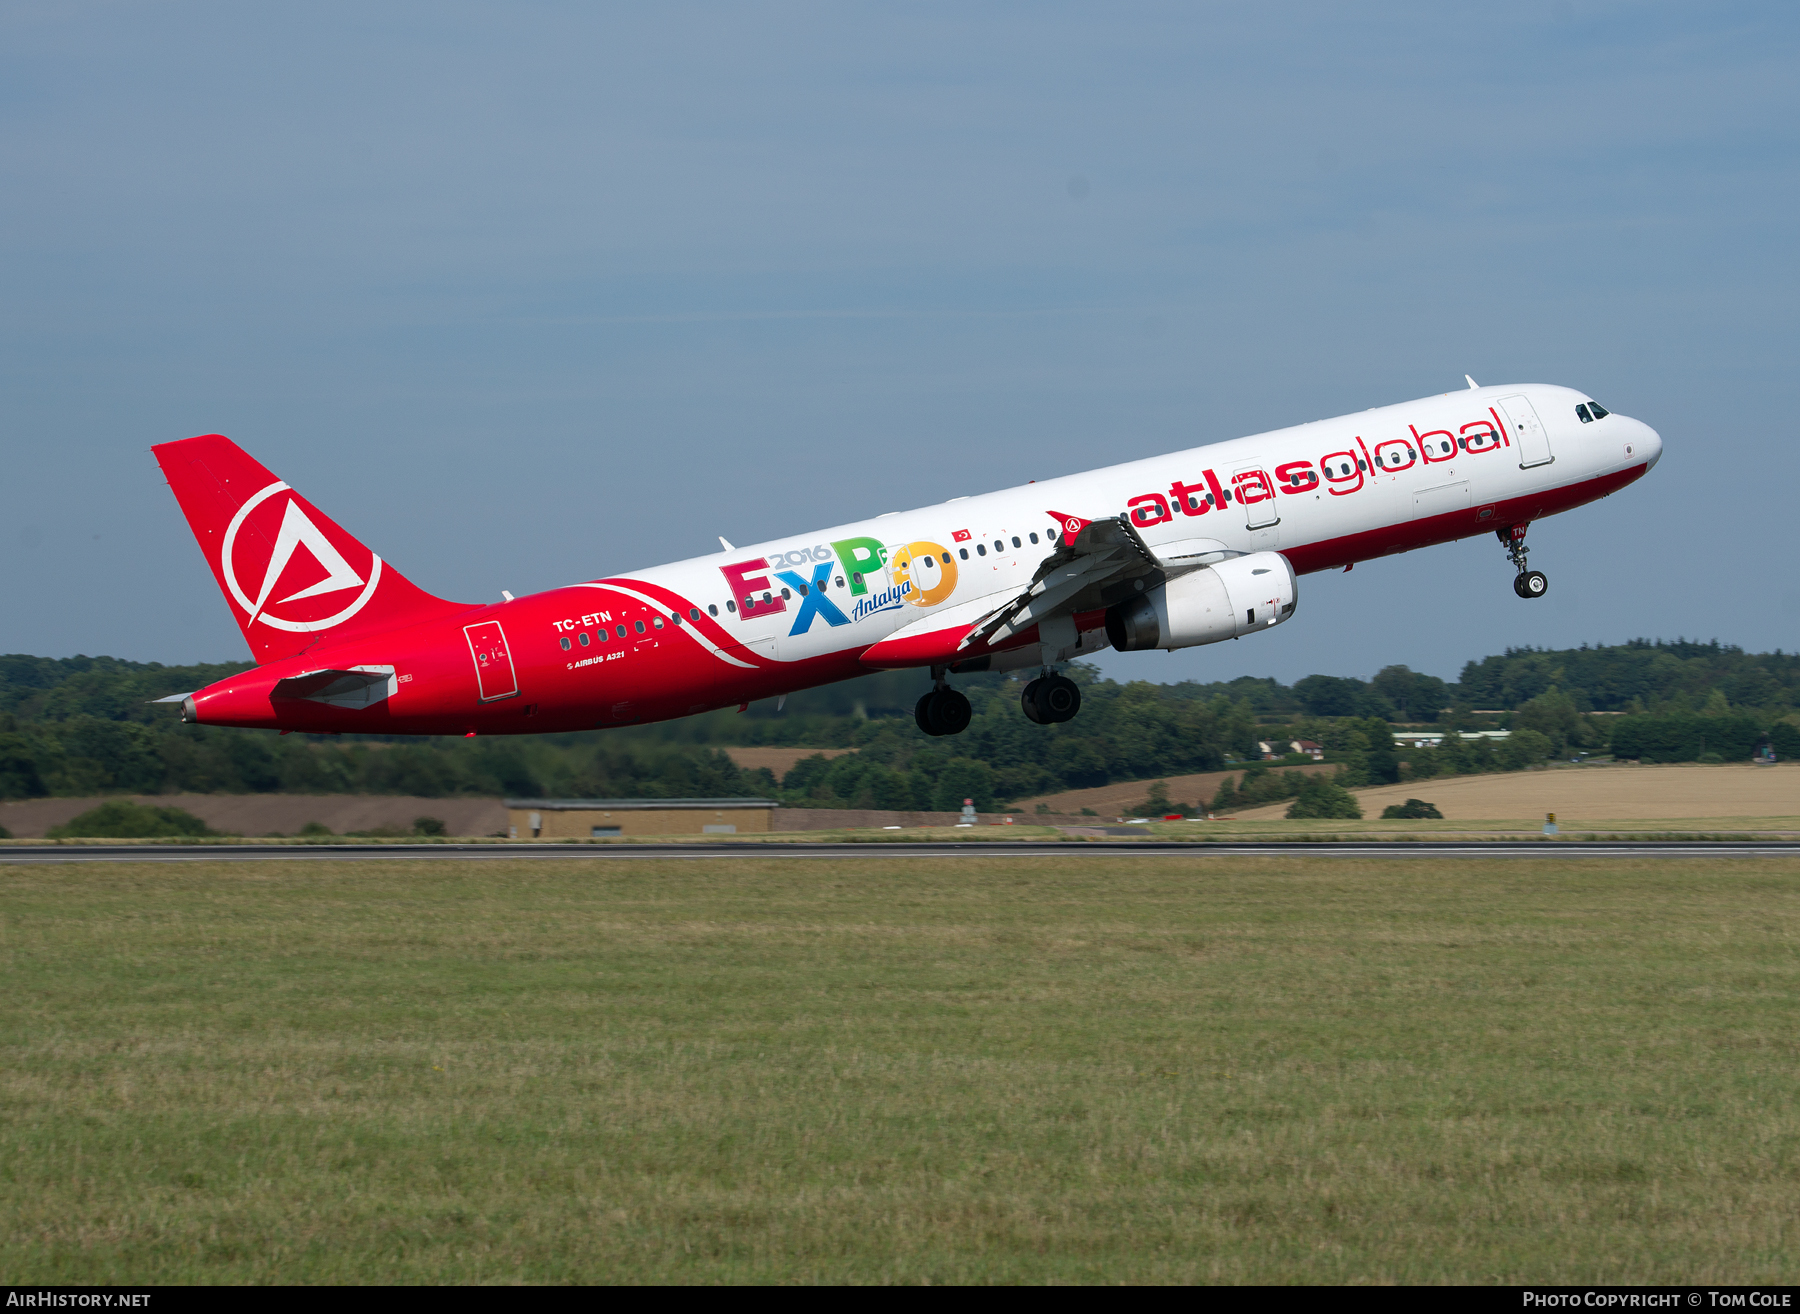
(1271, 749)
(600, 818)
(1432, 738)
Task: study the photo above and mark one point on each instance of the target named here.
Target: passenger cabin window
(623, 631)
(1033, 539)
(583, 636)
(638, 626)
(946, 558)
(694, 613)
(840, 578)
(1016, 542)
(981, 549)
(787, 594)
(565, 643)
(1052, 536)
(659, 624)
(999, 546)
(963, 553)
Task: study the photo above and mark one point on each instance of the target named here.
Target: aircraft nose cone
(1648, 443)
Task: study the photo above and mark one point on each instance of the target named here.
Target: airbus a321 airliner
(1193, 548)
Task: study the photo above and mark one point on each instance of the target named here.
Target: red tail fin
(290, 574)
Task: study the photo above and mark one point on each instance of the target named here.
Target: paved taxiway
(22, 854)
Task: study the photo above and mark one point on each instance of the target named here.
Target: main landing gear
(1527, 583)
(943, 711)
(1050, 699)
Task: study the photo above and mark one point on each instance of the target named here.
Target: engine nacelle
(1222, 601)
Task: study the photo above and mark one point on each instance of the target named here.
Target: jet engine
(1221, 601)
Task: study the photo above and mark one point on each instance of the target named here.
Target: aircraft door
(1254, 491)
(1527, 432)
(494, 674)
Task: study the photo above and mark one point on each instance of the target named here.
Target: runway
(63, 853)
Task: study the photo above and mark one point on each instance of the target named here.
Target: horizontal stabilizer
(362, 687)
(173, 698)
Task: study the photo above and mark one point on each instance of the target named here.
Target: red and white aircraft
(1169, 552)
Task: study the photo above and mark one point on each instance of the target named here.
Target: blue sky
(527, 294)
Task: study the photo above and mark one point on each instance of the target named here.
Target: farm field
(779, 760)
(1621, 793)
(1196, 790)
(1166, 1069)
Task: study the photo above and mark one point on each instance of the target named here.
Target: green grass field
(1056, 1067)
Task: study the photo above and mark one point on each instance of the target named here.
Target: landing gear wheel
(1532, 584)
(1051, 699)
(1059, 699)
(943, 712)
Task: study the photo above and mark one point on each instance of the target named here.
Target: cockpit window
(1591, 411)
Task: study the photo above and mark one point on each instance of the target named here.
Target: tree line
(86, 725)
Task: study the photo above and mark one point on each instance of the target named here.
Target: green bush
(5, 833)
(1323, 798)
(1157, 803)
(314, 828)
(119, 818)
(1259, 786)
(429, 826)
(1414, 809)
(1525, 748)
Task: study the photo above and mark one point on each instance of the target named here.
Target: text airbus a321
(1170, 552)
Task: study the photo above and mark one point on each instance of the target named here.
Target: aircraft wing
(1097, 563)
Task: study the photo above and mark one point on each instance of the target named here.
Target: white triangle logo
(298, 531)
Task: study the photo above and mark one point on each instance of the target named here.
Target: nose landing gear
(1527, 583)
(943, 711)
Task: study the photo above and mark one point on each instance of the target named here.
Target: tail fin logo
(243, 551)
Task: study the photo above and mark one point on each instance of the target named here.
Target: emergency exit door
(494, 673)
(1526, 431)
(1255, 494)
